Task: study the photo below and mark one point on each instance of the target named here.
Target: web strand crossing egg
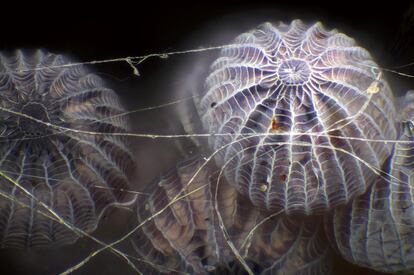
(74, 174)
(294, 108)
(376, 230)
(185, 235)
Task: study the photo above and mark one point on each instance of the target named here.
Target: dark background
(99, 31)
(104, 31)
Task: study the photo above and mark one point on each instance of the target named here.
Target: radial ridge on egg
(77, 175)
(186, 235)
(376, 229)
(294, 113)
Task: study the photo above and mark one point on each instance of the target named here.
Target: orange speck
(274, 126)
(282, 178)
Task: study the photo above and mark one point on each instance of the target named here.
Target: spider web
(113, 246)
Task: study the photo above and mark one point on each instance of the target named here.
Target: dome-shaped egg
(376, 230)
(75, 174)
(293, 111)
(182, 231)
